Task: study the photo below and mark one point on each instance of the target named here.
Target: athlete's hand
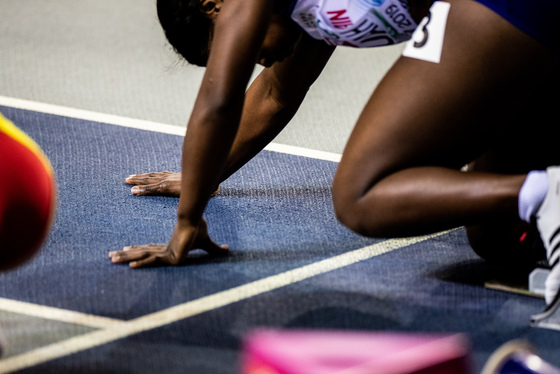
(185, 239)
(150, 184)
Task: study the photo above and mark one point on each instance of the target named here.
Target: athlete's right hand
(185, 239)
(164, 183)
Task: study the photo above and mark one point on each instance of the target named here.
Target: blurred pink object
(327, 352)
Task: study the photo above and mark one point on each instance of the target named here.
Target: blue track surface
(276, 214)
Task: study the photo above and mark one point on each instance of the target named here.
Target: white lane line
(91, 116)
(204, 304)
(147, 125)
(56, 314)
(305, 152)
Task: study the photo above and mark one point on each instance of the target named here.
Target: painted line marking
(56, 314)
(148, 125)
(204, 304)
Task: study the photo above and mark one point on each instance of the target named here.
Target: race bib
(427, 40)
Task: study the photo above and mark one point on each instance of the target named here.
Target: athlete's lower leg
(422, 200)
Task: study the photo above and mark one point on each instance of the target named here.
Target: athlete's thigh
(446, 113)
(528, 141)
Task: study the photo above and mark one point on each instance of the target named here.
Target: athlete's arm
(270, 103)
(239, 33)
(238, 36)
(274, 98)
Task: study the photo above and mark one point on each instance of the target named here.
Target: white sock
(532, 194)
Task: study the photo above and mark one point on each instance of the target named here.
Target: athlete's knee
(358, 202)
(345, 202)
(345, 212)
(350, 210)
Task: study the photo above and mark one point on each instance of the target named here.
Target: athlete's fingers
(126, 256)
(150, 178)
(152, 260)
(135, 253)
(165, 188)
(144, 247)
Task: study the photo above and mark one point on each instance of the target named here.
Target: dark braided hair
(187, 29)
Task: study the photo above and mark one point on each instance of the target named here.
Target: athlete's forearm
(274, 98)
(207, 144)
(238, 36)
(264, 116)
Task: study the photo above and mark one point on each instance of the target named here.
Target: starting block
(532, 286)
(326, 352)
(550, 318)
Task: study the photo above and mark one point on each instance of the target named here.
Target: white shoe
(548, 223)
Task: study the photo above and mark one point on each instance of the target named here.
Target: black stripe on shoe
(554, 235)
(553, 252)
